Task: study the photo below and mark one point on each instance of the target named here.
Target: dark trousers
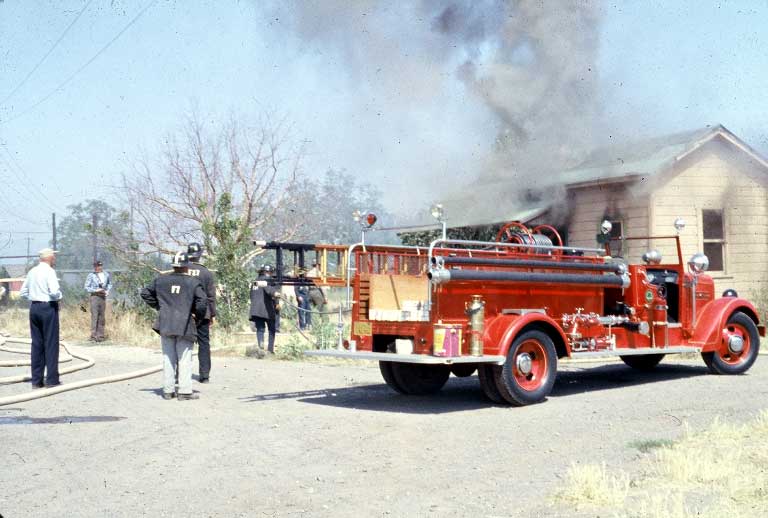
(204, 347)
(98, 310)
(260, 323)
(44, 328)
(304, 313)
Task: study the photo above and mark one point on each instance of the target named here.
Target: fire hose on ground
(51, 391)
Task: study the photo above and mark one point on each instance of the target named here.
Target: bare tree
(217, 185)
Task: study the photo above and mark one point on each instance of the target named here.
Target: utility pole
(93, 230)
(53, 230)
(28, 240)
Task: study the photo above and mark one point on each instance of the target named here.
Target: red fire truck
(509, 309)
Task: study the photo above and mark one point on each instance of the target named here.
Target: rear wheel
(488, 383)
(738, 347)
(389, 378)
(417, 379)
(463, 370)
(644, 362)
(529, 373)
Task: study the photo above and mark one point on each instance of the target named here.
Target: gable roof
(649, 157)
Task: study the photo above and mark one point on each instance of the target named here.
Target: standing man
(41, 287)
(179, 299)
(263, 297)
(98, 284)
(195, 252)
(302, 301)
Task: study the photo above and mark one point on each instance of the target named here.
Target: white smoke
(526, 67)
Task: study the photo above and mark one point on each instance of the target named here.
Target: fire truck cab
(511, 308)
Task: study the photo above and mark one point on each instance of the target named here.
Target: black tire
(534, 388)
(389, 378)
(418, 379)
(463, 370)
(488, 383)
(723, 361)
(645, 362)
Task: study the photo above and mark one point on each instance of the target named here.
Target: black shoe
(51, 385)
(169, 395)
(36, 386)
(186, 397)
(204, 380)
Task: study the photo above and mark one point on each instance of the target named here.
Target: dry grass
(129, 328)
(717, 472)
(591, 485)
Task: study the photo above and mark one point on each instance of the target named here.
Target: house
(709, 177)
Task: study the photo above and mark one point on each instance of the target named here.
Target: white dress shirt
(41, 284)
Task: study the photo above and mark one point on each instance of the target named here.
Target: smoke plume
(526, 68)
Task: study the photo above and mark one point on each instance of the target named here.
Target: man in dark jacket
(179, 299)
(303, 302)
(264, 294)
(195, 252)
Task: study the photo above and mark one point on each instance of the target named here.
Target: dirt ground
(276, 438)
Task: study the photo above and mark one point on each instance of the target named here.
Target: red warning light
(370, 219)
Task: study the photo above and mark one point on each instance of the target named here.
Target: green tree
(87, 231)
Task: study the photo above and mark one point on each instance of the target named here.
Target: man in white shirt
(98, 284)
(42, 289)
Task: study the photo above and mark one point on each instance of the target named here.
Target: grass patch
(716, 472)
(650, 444)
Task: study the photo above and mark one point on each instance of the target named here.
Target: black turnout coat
(209, 285)
(263, 299)
(177, 297)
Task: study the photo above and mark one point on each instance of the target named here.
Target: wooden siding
(715, 179)
(590, 205)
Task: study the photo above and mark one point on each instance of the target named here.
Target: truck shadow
(462, 394)
(572, 381)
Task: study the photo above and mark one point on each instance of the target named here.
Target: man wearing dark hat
(195, 252)
(98, 284)
(179, 299)
(264, 294)
(42, 289)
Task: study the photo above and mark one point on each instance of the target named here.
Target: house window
(713, 231)
(615, 238)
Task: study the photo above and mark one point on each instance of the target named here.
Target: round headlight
(679, 224)
(652, 257)
(606, 227)
(698, 263)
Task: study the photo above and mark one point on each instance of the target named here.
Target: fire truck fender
(501, 331)
(714, 317)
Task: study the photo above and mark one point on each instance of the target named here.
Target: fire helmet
(180, 260)
(195, 250)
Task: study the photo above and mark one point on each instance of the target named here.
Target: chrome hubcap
(524, 363)
(735, 344)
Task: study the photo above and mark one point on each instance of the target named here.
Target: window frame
(723, 242)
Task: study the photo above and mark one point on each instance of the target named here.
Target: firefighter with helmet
(195, 252)
(179, 300)
(264, 296)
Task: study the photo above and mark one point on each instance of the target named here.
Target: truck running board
(636, 352)
(407, 358)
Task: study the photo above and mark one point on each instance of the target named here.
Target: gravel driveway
(274, 438)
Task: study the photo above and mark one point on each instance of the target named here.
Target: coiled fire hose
(45, 392)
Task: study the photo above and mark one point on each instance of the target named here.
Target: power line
(39, 195)
(72, 76)
(55, 44)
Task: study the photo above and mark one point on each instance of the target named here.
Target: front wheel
(738, 347)
(529, 373)
(417, 379)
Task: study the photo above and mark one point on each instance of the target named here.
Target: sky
(413, 97)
